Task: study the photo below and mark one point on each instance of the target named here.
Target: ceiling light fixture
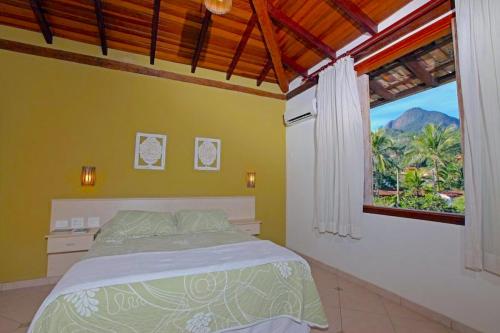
(219, 7)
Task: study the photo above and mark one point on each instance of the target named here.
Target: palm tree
(433, 147)
(381, 149)
(415, 182)
(398, 163)
(451, 175)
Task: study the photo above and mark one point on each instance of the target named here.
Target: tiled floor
(350, 309)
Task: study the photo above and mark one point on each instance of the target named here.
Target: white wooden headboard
(236, 208)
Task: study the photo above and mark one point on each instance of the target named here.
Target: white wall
(418, 260)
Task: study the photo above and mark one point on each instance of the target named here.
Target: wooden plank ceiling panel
(127, 25)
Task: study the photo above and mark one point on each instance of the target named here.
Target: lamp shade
(250, 179)
(219, 7)
(88, 176)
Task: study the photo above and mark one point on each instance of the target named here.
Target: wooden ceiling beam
(266, 27)
(42, 21)
(265, 71)
(381, 91)
(241, 46)
(290, 63)
(154, 31)
(201, 40)
(357, 15)
(300, 31)
(415, 67)
(101, 26)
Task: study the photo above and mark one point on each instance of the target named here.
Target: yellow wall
(57, 116)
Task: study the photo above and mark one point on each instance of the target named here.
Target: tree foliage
(428, 163)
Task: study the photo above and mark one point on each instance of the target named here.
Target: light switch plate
(62, 224)
(77, 222)
(94, 222)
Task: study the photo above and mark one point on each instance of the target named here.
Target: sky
(443, 99)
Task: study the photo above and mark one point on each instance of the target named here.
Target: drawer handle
(70, 244)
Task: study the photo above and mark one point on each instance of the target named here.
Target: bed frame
(236, 207)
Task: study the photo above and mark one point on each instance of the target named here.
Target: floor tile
(324, 280)
(398, 311)
(363, 322)
(361, 299)
(330, 298)
(21, 304)
(8, 325)
(406, 325)
(334, 321)
(21, 330)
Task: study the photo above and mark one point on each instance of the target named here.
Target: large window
(417, 161)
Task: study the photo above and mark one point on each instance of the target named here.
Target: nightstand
(251, 227)
(64, 248)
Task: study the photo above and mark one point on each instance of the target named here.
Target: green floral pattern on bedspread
(201, 303)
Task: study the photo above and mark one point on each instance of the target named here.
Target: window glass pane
(416, 152)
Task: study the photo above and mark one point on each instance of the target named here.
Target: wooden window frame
(432, 32)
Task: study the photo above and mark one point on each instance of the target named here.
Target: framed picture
(150, 151)
(207, 154)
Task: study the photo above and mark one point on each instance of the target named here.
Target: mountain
(413, 120)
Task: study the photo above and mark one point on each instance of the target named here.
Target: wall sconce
(88, 176)
(250, 179)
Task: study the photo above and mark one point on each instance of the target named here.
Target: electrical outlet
(62, 224)
(94, 222)
(77, 222)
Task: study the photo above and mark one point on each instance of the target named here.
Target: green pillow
(127, 224)
(201, 221)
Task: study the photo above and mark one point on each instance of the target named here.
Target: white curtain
(478, 32)
(339, 152)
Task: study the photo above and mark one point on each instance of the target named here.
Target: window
(417, 161)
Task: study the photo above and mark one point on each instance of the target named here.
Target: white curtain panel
(339, 152)
(478, 32)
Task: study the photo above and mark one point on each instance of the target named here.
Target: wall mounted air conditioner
(299, 112)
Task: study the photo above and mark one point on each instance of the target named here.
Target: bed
(195, 280)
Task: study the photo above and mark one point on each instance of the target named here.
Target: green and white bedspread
(188, 289)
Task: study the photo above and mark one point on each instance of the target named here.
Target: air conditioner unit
(300, 112)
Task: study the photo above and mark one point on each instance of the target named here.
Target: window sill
(448, 218)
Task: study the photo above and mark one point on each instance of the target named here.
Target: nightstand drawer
(251, 228)
(69, 244)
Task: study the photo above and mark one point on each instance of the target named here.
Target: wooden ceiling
(282, 41)
(425, 68)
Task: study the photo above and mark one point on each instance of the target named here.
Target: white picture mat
(196, 157)
(236, 207)
(163, 139)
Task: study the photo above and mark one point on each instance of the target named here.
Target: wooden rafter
(420, 72)
(266, 28)
(42, 21)
(381, 91)
(201, 40)
(154, 30)
(265, 71)
(357, 15)
(101, 26)
(241, 45)
(300, 31)
(290, 63)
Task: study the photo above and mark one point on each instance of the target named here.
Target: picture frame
(150, 151)
(207, 153)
